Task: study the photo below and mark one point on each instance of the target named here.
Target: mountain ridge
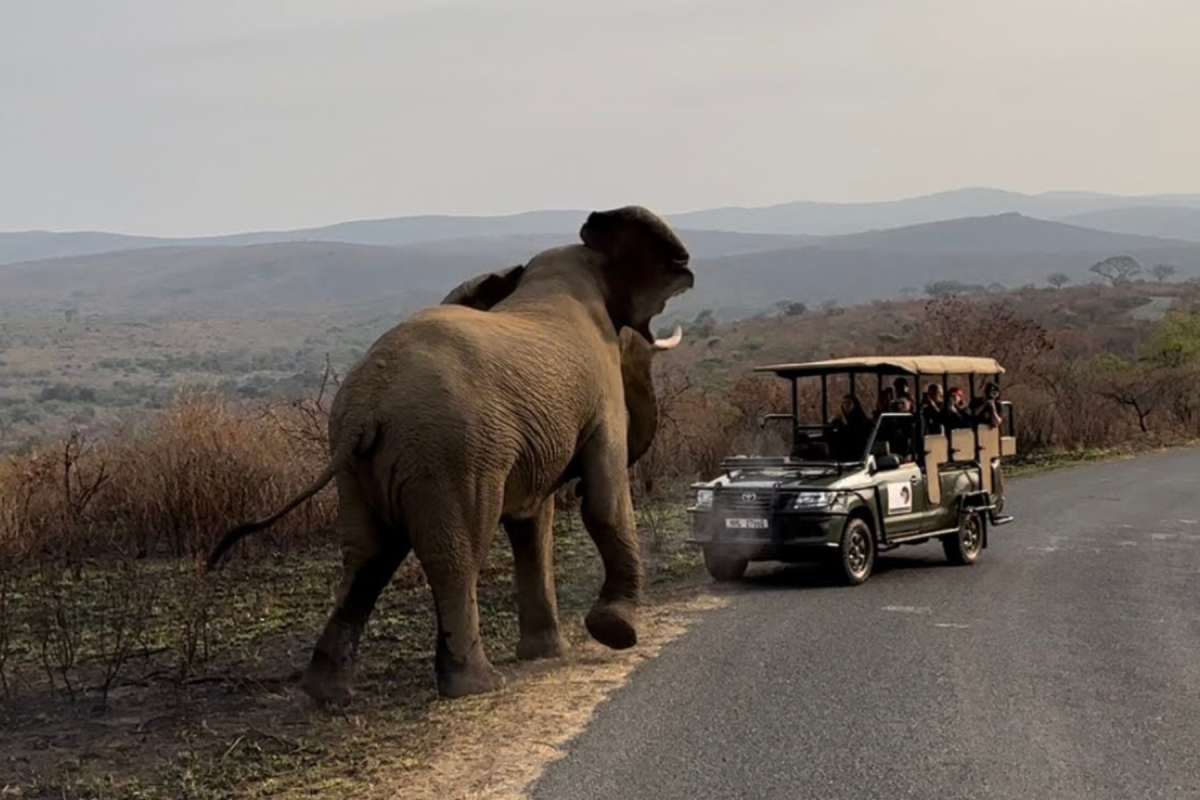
(324, 276)
(795, 218)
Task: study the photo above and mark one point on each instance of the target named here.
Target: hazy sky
(211, 116)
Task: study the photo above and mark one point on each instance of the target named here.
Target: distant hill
(500, 236)
(841, 218)
(1009, 249)
(300, 276)
(1164, 221)
(789, 219)
(1001, 233)
(31, 245)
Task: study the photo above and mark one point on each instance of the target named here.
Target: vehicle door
(902, 495)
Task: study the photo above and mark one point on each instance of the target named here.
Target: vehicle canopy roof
(890, 365)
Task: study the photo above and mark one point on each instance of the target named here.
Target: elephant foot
(327, 683)
(470, 680)
(611, 624)
(543, 644)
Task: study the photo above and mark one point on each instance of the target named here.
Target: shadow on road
(776, 575)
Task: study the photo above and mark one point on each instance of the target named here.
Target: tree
(1117, 270)
(1058, 279)
(704, 323)
(1177, 341)
(1162, 272)
(791, 308)
(951, 288)
(991, 327)
(1130, 385)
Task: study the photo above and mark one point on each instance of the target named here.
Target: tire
(964, 547)
(856, 553)
(724, 568)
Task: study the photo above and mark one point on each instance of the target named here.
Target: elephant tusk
(670, 343)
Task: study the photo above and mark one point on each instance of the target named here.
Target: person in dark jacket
(955, 413)
(932, 411)
(986, 410)
(887, 396)
(850, 429)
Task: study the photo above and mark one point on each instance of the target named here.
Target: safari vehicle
(844, 500)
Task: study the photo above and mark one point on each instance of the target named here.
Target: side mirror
(886, 463)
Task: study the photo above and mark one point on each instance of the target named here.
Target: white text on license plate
(746, 523)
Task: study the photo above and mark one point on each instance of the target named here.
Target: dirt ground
(239, 727)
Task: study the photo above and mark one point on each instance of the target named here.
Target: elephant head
(646, 265)
(637, 355)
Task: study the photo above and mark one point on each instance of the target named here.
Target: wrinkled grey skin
(641, 403)
(470, 415)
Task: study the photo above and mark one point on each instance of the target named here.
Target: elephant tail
(340, 458)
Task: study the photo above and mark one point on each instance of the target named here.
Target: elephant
(469, 416)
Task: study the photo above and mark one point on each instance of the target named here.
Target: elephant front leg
(537, 605)
(608, 516)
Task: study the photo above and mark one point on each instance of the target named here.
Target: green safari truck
(866, 482)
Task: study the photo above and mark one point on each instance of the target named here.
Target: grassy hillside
(737, 274)
(95, 370)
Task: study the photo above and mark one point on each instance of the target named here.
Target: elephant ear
(484, 291)
(633, 234)
(647, 264)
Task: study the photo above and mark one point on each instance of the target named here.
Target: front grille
(734, 500)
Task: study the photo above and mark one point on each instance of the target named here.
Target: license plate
(742, 524)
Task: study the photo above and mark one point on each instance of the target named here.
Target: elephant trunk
(641, 401)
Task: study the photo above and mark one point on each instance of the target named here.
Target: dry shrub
(168, 488)
(77, 518)
(205, 464)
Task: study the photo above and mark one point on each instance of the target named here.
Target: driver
(850, 429)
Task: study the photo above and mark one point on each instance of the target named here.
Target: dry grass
(129, 672)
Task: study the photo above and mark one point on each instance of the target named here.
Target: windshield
(888, 434)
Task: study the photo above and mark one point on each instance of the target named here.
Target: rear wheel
(724, 568)
(964, 546)
(856, 553)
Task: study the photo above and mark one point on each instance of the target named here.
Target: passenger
(850, 429)
(887, 396)
(932, 411)
(902, 391)
(901, 435)
(986, 410)
(955, 413)
(902, 438)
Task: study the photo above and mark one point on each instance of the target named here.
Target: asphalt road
(1065, 664)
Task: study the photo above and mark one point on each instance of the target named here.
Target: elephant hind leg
(371, 553)
(452, 536)
(537, 605)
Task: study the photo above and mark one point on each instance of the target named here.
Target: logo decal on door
(899, 498)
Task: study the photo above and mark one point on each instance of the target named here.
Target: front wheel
(964, 546)
(856, 553)
(724, 568)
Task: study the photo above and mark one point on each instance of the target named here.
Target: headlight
(814, 500)
(704, 499)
